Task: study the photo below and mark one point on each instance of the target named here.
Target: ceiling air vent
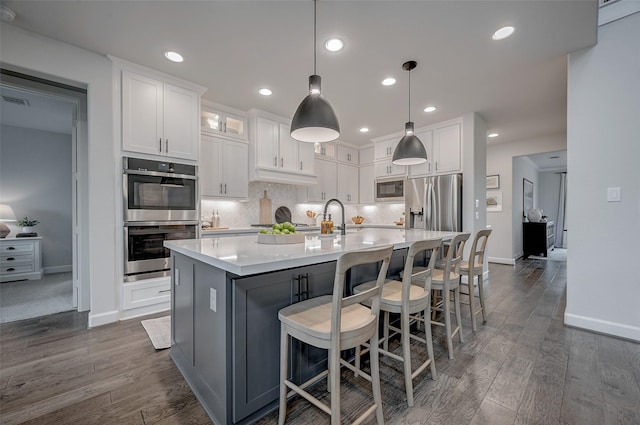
(16, 100)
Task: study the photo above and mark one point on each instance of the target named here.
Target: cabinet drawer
(9, 259)
(141, 294)
(18, 268)
(16, 247)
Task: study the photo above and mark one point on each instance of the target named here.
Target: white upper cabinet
(426, 168)
(222, 121)
(348, 183)
(223, 171)
(367, 177)
(385, 148)
(325, 150)
(446, 149)
(366, 155)
(274, 155)
(347, 155)
(327, 183)
(386, 168)
(158, 117)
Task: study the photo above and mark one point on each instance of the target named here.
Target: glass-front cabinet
(219, 121)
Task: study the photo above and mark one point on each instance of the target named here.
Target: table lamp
(6, 214)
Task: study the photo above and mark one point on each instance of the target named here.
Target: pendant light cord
(409, 95)
(314, 37)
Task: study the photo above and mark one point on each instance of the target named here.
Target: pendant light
(314, 120)
(410, 150)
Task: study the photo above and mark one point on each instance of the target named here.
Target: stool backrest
(478, 247)
(454, 254)
(351, 259)
(415, 249)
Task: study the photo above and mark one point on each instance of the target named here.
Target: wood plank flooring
(523, 367)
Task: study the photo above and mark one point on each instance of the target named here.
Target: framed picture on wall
(527, 196)
(493, 182)
(494, 201)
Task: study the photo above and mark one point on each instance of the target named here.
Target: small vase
(28, 229)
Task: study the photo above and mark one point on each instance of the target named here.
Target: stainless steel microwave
(390, 189)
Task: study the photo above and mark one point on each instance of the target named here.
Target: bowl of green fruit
(282, 233)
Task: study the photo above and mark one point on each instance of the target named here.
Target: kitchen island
(226, 294)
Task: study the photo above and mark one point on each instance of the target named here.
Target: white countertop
(240, 230)
(243, 255)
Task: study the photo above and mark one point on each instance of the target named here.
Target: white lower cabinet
(348, 183)
(146, 292)
(223, 171)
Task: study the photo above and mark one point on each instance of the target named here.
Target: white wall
(500, 162)
(35, 179)
(549, 194)
(603, 286)
(49, 58)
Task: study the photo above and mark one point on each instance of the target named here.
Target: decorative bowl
(357, 219)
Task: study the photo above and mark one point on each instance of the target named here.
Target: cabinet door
(348, 183)
(288, 149)
(210, 122)
(384, 150)
(427, 168)
(325, 150)
(181, 129)
(327, 180)
(388, 169)
(142, 114)
(306, 158)
(234, 125)
(366, 156)
(266, 143)
(446, 149)
(210, 172)
(235, 169)
(347, 154)
(367, 184)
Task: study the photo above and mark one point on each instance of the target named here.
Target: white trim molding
(508, 261)
(103, 318)
(603, 326)
(58, 269)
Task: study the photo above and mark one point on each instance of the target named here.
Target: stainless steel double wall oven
(160, 203)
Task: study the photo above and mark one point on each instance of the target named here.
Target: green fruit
(276, 231)
(285, 231)
(275, 226)
(264, 231)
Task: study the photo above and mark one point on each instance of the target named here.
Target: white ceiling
(550, 161)
(41, 112)
(518, 85)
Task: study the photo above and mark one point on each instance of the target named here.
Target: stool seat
(392, 294)
(313, 317)
(438, 278)
(464, 267)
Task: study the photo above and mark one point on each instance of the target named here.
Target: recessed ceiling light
(364, 129)
(388, 81)
(503, 32)
(492, 135)
(430, 109)
(173, 56)
(265, 91)
(334, 44)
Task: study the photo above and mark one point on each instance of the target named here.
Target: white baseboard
(509, 261)
(143, 311)
(603, 326)
(57, 269)
(485, 276)
(103, 318)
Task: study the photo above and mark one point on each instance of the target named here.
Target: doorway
(44, 153)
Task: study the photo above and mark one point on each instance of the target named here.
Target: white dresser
(20, 258)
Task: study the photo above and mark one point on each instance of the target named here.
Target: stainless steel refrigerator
(434, 203)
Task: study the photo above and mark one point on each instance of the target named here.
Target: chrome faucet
(343, 228)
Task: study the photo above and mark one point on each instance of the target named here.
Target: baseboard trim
(57, 269)
(103, 318)
(603, 326)
(144, 311)
(465, 278)
(509, 261)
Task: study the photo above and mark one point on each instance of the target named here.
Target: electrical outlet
(213, 299)
(477, 203)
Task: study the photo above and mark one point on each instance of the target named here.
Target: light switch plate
(213, 299)
(477, 203)
(613, 194)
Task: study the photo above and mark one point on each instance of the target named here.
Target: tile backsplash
(245, 213)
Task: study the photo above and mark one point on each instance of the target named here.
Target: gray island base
(226, 294)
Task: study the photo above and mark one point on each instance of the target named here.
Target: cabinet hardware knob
(275, 161)
(220, 187)
(11, 248)
(164, 290)
(282, 162)
(11, 269)
(10, 259)
(160, 147)
(225, 188)
(166, 146)
(300, 165)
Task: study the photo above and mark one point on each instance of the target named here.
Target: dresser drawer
(16, 247)
(139, 294)
(14, 259)
(18, 268)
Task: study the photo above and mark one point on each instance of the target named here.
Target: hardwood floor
(522, 367)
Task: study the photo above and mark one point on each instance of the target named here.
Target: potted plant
(28, 225)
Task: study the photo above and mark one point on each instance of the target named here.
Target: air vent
(606, 2)
(16, 101)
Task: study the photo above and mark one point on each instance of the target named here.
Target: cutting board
(265, 210)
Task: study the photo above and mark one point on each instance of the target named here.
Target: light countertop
(250, 230)
(243, 255)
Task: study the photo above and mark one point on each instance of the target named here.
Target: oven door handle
(160, 174)
(159, 223)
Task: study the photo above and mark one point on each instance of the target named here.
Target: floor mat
(159, 331)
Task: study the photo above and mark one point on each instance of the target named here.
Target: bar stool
(407, 299)
(446, 280)
(474, 266)
(336, 323)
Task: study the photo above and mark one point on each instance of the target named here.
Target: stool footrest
(320, 405)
